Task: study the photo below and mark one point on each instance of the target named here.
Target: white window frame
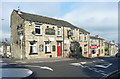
(59, 29)
(41, 48)
(34, 45)
(73, 33)
(85, 49)
(85, 36)
(40, 27)
(47, 44)
(80, 37)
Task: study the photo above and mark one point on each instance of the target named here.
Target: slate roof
(47, 20)
(93, 37)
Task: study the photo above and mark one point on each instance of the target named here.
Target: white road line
(47, 68)
(104, 74)
(94, 69)
(42, 67)
(103, 65)
(101, 71)
(85, 66)
(94, 61)
(76, 64)
(101, 60)
(83, 62)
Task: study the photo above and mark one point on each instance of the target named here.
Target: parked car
(117, 55)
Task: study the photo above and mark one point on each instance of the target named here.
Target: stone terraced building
(45, 37)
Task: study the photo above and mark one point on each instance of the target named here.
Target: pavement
(41, 60)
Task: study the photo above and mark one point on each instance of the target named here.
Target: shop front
(94, 51)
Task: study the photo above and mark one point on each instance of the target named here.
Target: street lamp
(21, 37)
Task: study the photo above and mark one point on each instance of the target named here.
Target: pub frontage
(45, 37)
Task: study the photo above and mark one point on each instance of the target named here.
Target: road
(81, 68)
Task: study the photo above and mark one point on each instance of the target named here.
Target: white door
(47, 47)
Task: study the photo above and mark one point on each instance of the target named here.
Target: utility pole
(21, 38)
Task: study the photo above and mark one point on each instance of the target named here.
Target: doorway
(59, 48)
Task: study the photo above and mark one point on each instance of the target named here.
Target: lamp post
(21, 37)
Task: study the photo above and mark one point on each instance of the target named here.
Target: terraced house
(44, 37)
(97, 46)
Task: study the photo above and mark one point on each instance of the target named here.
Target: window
(85, 49)
(47, 47)
(33, 48)
(85, 37)
(59, 32)
(72, 33)
(80, 37)
(53, 48)
(41, 48)
(38, 30)
(93, 51)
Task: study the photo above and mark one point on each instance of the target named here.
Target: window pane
(58, 32)
(37, 30)
(53, 48)
(34, 49)
(41, 47)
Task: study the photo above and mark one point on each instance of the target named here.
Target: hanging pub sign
(49, 31)
(94, 47)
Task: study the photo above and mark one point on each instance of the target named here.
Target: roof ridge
(45, 19)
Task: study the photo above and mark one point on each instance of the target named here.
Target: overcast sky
(96, 17)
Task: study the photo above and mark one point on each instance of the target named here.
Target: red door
(58, 49)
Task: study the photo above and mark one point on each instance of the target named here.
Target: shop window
(41, 48)
(53, 48)
(38, 30)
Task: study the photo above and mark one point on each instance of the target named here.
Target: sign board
(94, 47)
(49, 31)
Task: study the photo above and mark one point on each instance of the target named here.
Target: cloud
(41, 8)
(97, 18)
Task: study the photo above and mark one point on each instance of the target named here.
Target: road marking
(76, 64)
(104, 74)
(83, 62)
(101, 60)
(101, 71)
(47, 68)
(103, 65)
(42, 67)
(94, 61)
